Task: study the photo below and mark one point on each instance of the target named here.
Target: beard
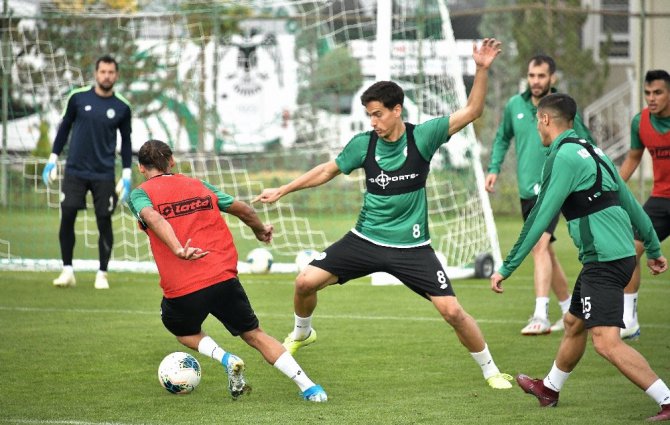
(544, 91)
(106, 86)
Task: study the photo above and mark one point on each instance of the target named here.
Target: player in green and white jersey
(391, 234)
(601, 212)
(519, 123)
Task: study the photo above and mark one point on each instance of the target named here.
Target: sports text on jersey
(659, 152)
(384, 179)
(187, 206)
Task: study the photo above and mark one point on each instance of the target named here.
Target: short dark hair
(106, 59)
(386, 92)
(562, 105)
(657, 74)
(155, 154)
(540, 59)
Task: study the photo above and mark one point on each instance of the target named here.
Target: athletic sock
(302, 328)
(565, 305)
(630, 309)
(209, 347)
(555, 378)
(541, 307)
(485, 361)
(289, 367)
(659, 392)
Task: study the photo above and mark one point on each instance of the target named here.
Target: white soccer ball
(179, 373)
(259, 260)
(305, 257)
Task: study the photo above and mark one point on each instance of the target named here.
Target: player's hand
(657, 265)
(268, 196)
(265, 234)
(50, 172)
(123, 186)
(485, 54)
(490, 182)
(496, 283)
(190, 253)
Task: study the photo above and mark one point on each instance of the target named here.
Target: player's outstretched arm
(322, 173)
(249, 217)
(631, 163)
(483, 56)
(165, 233)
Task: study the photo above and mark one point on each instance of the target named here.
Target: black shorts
(227, 301)
(597, 297)
(104, 194)
(526, 207)
(658, 210)
(418, 268)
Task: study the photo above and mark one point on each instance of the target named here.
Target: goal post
(249, 94)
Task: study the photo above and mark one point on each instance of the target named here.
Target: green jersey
(520, 122)
(605, 235)
(394, 220)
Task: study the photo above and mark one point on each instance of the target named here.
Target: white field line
(435, 318)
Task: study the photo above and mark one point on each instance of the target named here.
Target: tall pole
(383, 43)
(6, 69)
(643, 28)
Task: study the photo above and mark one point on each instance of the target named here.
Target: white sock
(302, 328)
(555, 378)
(629, 309)
(659, 392)
(289, 367)
(565, 304)
(101, 274)
(541, 307)
(485, 361)
(68, 269)
(209, 347)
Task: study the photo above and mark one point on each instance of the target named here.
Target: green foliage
(43, 147)
(558, 34)
(334, 81)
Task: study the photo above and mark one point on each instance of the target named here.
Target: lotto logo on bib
(188, 206)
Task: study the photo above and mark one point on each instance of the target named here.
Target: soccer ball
(304, 257)
(260, 260)
(179, 373)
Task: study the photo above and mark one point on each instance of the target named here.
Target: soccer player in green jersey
(601, 213)
(519, 122)
(649, 130)
(391, 234)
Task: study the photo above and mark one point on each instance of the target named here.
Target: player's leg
(274, 353)
(104, 200)
(227, 301)
(559, 285)
(604, 298)
(542, 275)
(421, 271)
(73, 199)
(631, 329)
(346, 259)
(570, 352)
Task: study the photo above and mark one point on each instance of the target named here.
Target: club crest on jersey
(111, 113)
(187, 206)
(383, 179)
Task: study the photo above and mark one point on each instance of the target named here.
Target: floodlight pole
(383, 43)
(6, 69)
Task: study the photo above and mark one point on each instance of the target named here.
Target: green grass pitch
(81, 356)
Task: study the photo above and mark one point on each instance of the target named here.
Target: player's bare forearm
(166, 234)
(248, 216)
(631, 163)
(317, 176)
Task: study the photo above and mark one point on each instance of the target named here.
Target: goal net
(249, 94)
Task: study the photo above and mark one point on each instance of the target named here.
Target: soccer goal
(249, 94)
